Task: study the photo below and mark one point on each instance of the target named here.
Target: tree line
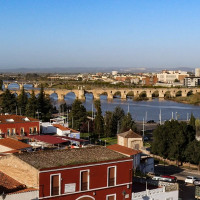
(37, 107)
(98, 125)
(177, 141)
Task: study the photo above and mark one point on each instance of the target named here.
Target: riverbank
(193, 99)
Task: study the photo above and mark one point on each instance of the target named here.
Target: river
(149, 110)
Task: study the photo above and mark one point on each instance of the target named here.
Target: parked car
(151, 122)
(170, 177)
(197, 182)
(190, 179)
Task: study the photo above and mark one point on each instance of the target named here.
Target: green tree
(45, 107)
(98, 121)
(118, 114)
(8, 102)
(1, 84)
(192, 121)
(22, 101)
(193, 152)
(197, 125)
(171, 139)
(127, 123)
(108, 119)
(77, 115)
(31, 107)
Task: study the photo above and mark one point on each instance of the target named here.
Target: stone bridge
(111, 93)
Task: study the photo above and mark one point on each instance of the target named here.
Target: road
(186, 192)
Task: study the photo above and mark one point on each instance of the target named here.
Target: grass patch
(110, 140)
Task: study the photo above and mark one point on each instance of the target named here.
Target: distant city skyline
(99, 34)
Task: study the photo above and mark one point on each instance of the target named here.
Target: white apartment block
(191, 81)
(169, 76)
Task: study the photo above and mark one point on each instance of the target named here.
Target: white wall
(32, 195)
(156, 194)
(47, 128)
(4, 149)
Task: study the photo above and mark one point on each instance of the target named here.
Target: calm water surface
(149, 110)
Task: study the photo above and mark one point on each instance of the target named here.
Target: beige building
(130, 139)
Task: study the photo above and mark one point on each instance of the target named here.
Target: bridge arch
(130, 94)
(155, 94)
(143, 94)
(13, 86)
(178, 93)
(167, 94)
(70, 96)
(89, 96)
(189, 93)
(117, 94)
(53, 96)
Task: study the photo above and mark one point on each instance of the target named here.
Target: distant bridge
(109, 92)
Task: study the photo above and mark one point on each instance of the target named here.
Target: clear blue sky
(99, 33)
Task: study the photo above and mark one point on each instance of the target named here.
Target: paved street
(186, 192)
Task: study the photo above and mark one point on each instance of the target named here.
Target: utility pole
(160, 117)
(92, 112)
(172, 115)
(128, 108)
(143, 128)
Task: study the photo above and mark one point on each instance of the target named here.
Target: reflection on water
(143, 109)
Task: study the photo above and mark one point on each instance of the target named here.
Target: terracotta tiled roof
(13, 144)
(15, 119)
(63, 128)
(123, 150)
(130, 134)
(8, 184)
(47, 139)
(24, 190)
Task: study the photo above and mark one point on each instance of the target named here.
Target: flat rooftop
(61, 158)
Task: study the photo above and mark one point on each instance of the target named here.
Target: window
(22, 131)
(8, 131)
(111, 197)
(111, 176)
(13, 131)
(55, 184)
(84, 182)
(35, 130)
(30, 130)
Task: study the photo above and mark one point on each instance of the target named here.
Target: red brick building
(11, 125)
(94, 173)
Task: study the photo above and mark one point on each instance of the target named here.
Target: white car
(190, 179)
